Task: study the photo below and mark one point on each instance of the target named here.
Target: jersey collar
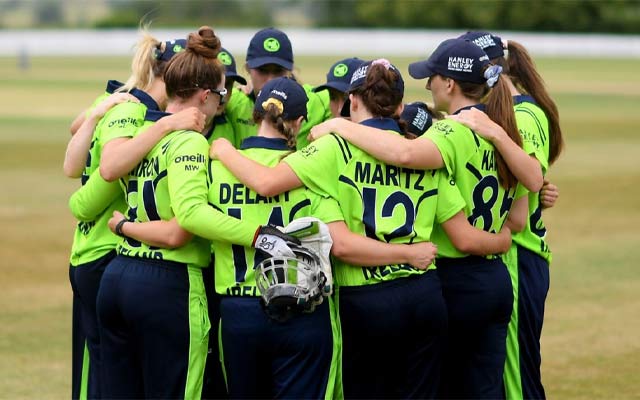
(387, 124)
(480, 107)
(112, 85)
(154, 115)
(260, 142)
(523, 98)
(145, 99)
(217, 120)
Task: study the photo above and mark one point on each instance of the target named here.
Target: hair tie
(275, 102)
(159, 50)
(492, 74)
(382, 61)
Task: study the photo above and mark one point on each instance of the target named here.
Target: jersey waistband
(385, 284)
(159, 263)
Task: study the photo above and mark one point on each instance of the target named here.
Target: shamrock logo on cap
(340, 70)
(224, 58)
(271, 44)
(177, 48)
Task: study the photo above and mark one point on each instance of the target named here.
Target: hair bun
(204, 43)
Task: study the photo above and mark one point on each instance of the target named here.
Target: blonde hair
(144, 66)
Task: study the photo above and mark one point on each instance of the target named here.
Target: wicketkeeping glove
(273, 241)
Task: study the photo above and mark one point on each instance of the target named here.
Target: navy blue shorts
(530, 275)
(214, 386)
(264, 358)
(392, 334)
(85, 282)
(479, 301)
(154, 327)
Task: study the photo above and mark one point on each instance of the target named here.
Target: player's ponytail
(499, 107)
(272, 115)
(195, 68)
(521, 68)
(143, 65)
(378, 92)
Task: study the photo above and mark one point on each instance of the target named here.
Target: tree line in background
(611, 16)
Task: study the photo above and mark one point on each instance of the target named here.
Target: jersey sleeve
(123, 120)
(521, 190)
(325, 209)
(187, 173)
(318, 111)
(448, 137)
(318, 165)
(450, 201)
(532, 133)
(93, 197)
(95, 103)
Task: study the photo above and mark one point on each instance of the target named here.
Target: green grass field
(591, 345)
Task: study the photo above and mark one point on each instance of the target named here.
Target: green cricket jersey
(220, 128)
(172, 181)
(471, 161)
(94, 203)
(318, 110)
(125, 119)
(240, 112)
(383, 202)
(234, 264)
(534, 129)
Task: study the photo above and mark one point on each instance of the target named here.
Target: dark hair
(273, 116)
(197, 67)
(499, 107)
(521, 69)
(379, 94)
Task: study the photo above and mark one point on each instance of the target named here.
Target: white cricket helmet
(292, 285)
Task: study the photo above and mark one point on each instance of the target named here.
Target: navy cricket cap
(165, 50)
(360, 76)
(286, 94)
(230, 72)
(339, 75)
(417, 117)
(270, 46)
(454, 58)
(491, 44)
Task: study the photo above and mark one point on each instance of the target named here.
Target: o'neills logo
(190, 158)
(484, 41)
(279, 93)
(461, 64)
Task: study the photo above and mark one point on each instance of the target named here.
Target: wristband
(119, 227)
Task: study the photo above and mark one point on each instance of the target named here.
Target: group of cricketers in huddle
(440, 268)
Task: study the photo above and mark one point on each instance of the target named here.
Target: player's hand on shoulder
(246, 89)
(549, 194)
(112, 100)
(113, 221)
(422, 254)
(479, 122)
(324, 128)
(190, 119)
(218, 146)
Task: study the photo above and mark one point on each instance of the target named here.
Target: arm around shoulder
(471, 240)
